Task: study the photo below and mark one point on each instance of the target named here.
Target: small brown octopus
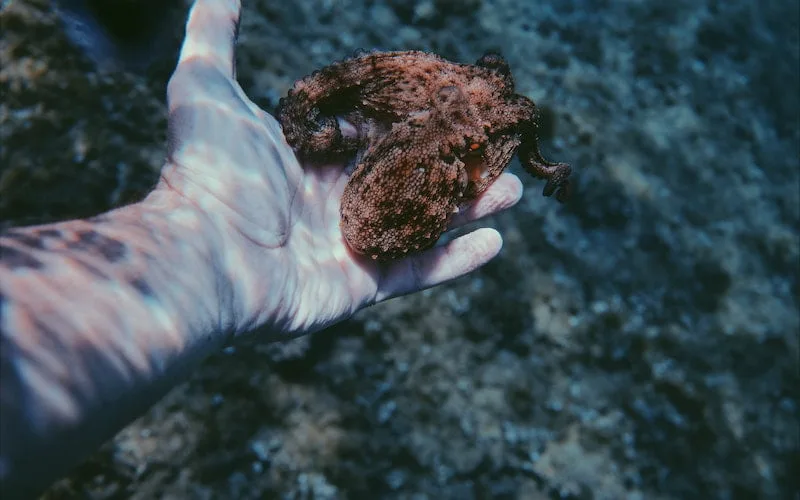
(429, 135)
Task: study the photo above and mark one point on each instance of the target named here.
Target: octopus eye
(499, 66)
(494, 62)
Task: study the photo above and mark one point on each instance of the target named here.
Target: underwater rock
(124, 34)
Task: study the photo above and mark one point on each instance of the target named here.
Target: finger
(504, 193)
(211, 34)
(440, 264)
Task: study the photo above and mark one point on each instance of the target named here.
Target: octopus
(427, 135)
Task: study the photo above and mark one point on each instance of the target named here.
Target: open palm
(278, 221)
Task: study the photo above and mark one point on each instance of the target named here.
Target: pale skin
(99, 318)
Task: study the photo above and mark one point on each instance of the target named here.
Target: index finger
(211, 34)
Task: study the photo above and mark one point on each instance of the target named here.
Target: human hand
(276, 222)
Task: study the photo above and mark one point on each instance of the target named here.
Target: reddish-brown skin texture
(429, 136)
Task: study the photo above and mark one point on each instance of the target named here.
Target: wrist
(246, 271)
(191, 255)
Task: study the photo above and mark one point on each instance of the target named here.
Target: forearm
(98, 319)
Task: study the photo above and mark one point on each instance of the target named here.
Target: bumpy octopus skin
(429, 135)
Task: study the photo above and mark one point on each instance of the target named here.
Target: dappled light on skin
(62, 403)
(208, 38)
(237, 241)
(308, 189)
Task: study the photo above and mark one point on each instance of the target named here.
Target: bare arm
(98, 319)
